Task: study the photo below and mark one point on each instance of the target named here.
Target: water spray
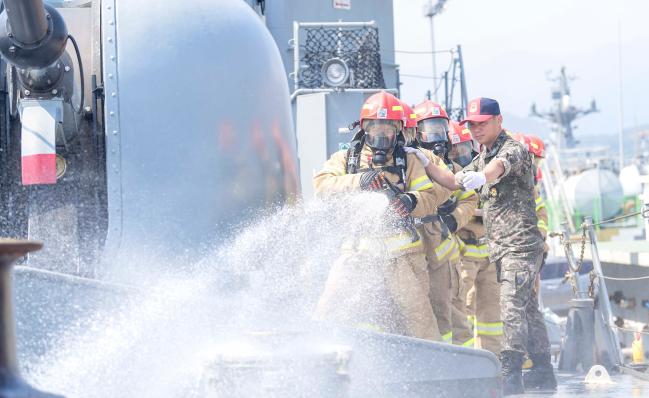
(11, 383)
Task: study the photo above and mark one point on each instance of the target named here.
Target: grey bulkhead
(321, 118)
(198, 124)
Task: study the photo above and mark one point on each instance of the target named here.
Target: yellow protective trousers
(391, 296)
(483, 302)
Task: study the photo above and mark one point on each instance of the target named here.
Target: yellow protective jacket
(333, 178)
(473, 240)
(542, 215)
(442, 245)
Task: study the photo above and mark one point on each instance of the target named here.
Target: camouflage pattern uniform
(515, 243)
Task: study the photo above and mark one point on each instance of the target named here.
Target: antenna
(563, 114)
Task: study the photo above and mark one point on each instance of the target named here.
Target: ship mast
(563, 114)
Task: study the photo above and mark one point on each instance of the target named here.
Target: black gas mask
(432, 134)
(381, 137)
(439, 148)
(462, 153)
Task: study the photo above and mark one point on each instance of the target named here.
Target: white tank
(597, 193)
(630, 179)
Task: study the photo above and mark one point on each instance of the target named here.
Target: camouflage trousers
(523, 324)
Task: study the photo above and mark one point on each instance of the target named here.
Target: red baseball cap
(481, 109)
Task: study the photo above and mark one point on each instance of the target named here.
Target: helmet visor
(462, 153)
(432, 130)
(381, 134)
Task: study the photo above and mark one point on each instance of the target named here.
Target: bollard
(610, 343)
(589, 338)
(578, 343)
(11, 384)
(577, 346)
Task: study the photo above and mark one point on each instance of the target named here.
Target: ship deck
(622, 386)
(624, 252)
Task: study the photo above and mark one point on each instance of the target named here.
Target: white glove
(473, 180)
(420, 155)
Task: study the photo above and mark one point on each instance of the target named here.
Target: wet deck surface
(625, 386)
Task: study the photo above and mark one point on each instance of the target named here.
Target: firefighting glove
(420, 155)
(473, 180)
(450, 221)
(403, 204)
(447, 207)
(372, 180)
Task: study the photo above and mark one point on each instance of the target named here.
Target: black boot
(541, 375)
(512, 362)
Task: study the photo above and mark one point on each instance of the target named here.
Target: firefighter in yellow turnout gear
(443, 254)
(462, 329)
(406, 277)
(542, 215)
(442, 248)
(467, 204)
(477, 275)
(537, 148)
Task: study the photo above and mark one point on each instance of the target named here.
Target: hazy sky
(508, 45)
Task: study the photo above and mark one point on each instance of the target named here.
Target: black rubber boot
(512, 363)
(541, 375)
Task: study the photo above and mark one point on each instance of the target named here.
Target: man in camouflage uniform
(503, 173)
(536, 148)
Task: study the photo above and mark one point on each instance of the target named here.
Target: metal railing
(587, 301)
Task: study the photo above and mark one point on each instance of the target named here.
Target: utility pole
(432, 42)
(434, 7)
